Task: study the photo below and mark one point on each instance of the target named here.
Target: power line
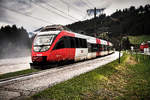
(85, 3)
(52, 11)
(39, 19)
(85, 16)
(66, 3)
(87, 7)
(60, 11)
(90, 3)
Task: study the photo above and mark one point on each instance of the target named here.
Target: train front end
(41, 46)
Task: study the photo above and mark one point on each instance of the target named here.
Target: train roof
(49, 32)
(88, 38)
(91, 39)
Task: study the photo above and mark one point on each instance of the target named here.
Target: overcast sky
(32, 14)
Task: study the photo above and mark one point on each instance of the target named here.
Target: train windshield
(44, 40)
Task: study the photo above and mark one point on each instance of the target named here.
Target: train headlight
(45, 48)
(37, 49)
(41, 48)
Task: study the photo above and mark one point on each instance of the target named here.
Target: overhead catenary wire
(85, 4)
(90, 3)
(85, 16)
(61, 11)
(37, 18)
(64, 2)
(33, 17)
(53, 11)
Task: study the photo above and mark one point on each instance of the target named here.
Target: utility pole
(120, 48)
(95, 11)
(117, 20)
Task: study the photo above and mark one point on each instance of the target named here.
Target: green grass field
(129, 80)
(139, 39)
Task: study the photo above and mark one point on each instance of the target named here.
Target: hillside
(127, 22)
(139, 39)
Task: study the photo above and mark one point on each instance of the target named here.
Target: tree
(13, 41)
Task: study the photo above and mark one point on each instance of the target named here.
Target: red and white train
(61, 45)
(145, 46)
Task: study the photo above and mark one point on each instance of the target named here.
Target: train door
(70, 50)
(81, 49)
(72, 47)
(59, 50)
(148, 46)
(98, 42)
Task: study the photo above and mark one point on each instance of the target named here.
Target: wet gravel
(29, 85)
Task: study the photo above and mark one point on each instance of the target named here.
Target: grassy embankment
(139, 39)
(129, 80)
(14, 74)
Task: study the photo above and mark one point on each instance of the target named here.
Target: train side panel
(81, 54)
(98, 42)
(60, 50)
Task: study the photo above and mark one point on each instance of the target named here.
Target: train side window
(72, 42)
(104, 47)
(89, 47)
(98, 47)
(84, 43)
(60, 44)
(81, 43)
(67, 42)
(109, 48)
(94, 48)
(77, 42)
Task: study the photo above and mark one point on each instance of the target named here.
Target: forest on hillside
(127, 22)
(14, 42)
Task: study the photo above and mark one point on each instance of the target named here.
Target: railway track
(28, 85)
(29, 74)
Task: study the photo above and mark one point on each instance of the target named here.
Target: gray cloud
(76, 9)
(3, 14)
(39, 1)
(105, 4)
(79, 3)
(19, 5)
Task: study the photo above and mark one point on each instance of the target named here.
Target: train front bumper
(39, 59)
